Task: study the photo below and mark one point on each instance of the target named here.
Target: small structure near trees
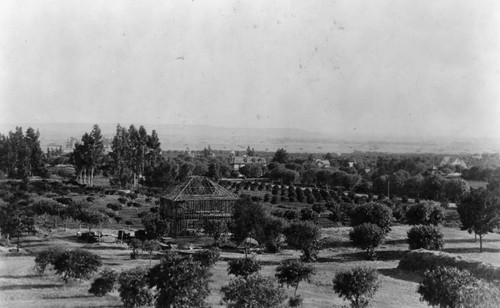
(195, 200)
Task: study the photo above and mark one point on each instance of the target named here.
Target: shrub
(243, 267)
(374, 213)
(452, 287)
(77, 264)
(424, 213)
(133, 289)
(122, 200)
(180, 282)
(254, 291)
(104, 284)
(358, 285)
(306, 236)
(207, 257)
(46, 257)
(368, 237)
(426, 237)
(292, 272)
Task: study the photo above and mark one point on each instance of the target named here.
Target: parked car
(91, 237)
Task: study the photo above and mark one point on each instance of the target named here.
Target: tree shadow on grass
(20, 276)
(29, 286)
(401, 275)
(382, 255)
(102, 247)
(396, 242)
(459, 250)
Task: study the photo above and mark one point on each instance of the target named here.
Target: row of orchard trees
(133, 151)
(20, 154)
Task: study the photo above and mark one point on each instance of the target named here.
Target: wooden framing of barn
(195, 200)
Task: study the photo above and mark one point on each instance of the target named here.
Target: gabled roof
(248, 160)
(199, 188)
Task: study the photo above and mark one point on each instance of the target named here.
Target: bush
(306, 236)
(122, 200)
(452, 287)
(421, 260)
(425, 213)
(207, 257)
(77, 264)
(253, 291)
(368, 237)
(243, 267)
(373, 213)
(104, 284)
(46, 257)
(133, 289)
(426, 237)
(358, 285)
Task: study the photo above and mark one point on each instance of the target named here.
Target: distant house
(322, 163)
(453, 162)
(238, 162)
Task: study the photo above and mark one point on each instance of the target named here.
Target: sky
(416, 68)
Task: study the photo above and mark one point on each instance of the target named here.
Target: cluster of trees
(21, 155)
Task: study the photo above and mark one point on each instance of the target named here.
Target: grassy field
(20, 286)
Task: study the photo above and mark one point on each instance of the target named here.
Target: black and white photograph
(250, 153)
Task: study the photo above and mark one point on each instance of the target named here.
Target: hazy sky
(371, 68)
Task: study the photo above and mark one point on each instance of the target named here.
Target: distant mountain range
(197, 137)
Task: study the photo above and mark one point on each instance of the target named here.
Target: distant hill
(197, 137)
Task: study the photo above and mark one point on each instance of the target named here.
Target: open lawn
(20, 286)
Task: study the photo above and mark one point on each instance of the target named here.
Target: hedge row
(421, 260)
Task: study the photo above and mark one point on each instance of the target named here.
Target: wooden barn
(198, 198)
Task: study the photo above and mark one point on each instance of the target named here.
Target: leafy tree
(273, 233)
(135, 245)
(374, 213)
(155, 226)
(479, 213)
(207, 257)
(358, 285)
(247, 220)
(367, 236)
(181, 282)
(306, 236)
(150, 246)
(215, 228)
(77, 264)
(252, 170)
(104, 284)
(292, 272)
(255, 291)
(46, 257)
(281, 156)
(243, 267)
(15, 219)
(134, 290)
(425, 213)
(452, 287)
(426, 237)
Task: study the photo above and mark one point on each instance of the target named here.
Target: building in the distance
(322, 163)
(238, 162)
(187, 205)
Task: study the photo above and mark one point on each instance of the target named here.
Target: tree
(304, 235)
(77, 264)
(247, 220)
(46, 257)
(292, 272)
(215, 228)
(134, 290)
(452, 287)
(155, 226)
(150, 246)
(15, 219)
(426, 237)
(180, 281)
(251, 170)
(135, 245)
(367, 236)
(374, 213)
(207, 257)
(281, 156)
(358, 285)
(255, 291)
(104, 284)
(243, 267)
(425, 213)
(479, 213)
